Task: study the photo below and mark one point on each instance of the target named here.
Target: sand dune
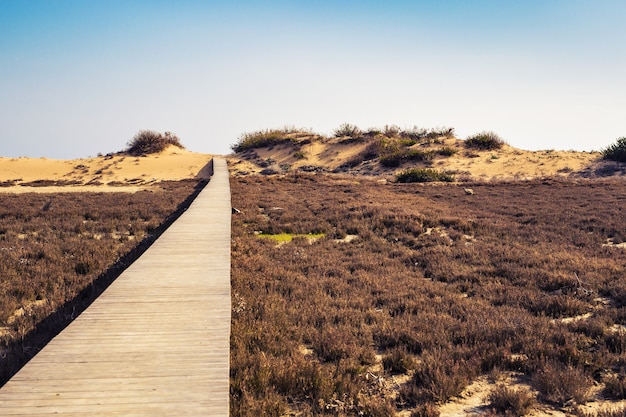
(505, 164)
(114, 172)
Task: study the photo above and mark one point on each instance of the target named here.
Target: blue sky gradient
(79, 78)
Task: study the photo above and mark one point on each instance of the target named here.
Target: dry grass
(511, 401)
(443, 285)
(59, 251)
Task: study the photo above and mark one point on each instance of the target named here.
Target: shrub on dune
(484, 141)
(148, 141)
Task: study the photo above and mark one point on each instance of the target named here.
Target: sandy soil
(110, 173)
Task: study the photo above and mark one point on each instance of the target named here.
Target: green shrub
(417, 155)
(347, 129)
(392, 160)
(423, 175)
(616, 151)
(510, 401)
(148, 142)
(484, 141)
(407, 142)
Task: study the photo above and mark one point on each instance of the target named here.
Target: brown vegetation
(416, 290)
(59, 251)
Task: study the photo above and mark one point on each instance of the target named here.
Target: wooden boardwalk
(156, 342)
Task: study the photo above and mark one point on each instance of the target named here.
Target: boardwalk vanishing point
(156, 342)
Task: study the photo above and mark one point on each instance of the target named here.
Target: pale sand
(113, 173)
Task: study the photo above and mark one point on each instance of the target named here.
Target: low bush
(511, 401)
(437, 378)
(423, 175)
(446, 151)
(392, 160)
(484, 141)
(417, 155)
(560, 384)
(377, 407)
(616, 151)
(392, 131)
(349, 130)
(426, 410)
(615, 386)
(148, 141)
(398, 361)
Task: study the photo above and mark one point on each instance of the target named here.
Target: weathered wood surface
(156, 342)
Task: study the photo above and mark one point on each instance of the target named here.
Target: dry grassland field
(353, 297)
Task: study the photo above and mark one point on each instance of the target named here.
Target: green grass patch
(424, 175)
(288, 237)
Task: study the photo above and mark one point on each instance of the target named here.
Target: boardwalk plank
(156, 342)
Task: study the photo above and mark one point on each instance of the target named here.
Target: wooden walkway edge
(156, 342)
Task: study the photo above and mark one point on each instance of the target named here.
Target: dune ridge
(108, 173)
(345, 155)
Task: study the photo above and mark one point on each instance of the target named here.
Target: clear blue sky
(79, 77)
